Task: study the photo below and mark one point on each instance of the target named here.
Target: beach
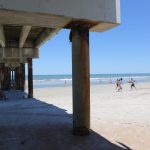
(119, 116)
(74, 75)
(119, 120)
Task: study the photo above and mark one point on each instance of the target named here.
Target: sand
(119, 120)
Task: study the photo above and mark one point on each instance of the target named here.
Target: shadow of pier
(30, 124)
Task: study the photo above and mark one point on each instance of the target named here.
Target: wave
(92, 79)
(40, 81)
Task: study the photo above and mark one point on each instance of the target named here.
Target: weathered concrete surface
(19, 53)
(30, 78)
(13, 57)
(22, 76)
(46, 35)
(107, 11)
(23, 36)
(2, 36)
(81, 81)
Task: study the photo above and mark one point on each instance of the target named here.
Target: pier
(24, 27)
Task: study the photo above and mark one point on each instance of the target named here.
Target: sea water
(42, 81)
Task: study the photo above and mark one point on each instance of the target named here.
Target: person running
(119, 85)
(65, 82)
(132, 84)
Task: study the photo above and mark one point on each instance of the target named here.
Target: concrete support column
(30, 78)
(8, 78)
(81, 80)
(22, 77)
(2, 76)
(17, 78)
(5, 80)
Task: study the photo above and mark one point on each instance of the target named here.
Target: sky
(123, 49)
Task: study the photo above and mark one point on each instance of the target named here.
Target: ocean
(42, 81)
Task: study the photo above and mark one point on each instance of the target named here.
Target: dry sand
(119, 120)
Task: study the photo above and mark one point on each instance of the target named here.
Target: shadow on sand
(30, 124)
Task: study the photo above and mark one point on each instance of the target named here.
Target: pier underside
(26, 25)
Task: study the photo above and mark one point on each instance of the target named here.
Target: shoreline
(44, 81)
(91, 85)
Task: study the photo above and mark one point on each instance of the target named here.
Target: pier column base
(81, 81)
(81, 131)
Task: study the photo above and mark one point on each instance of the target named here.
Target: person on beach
(65, 82)
(132, 83)
(119, 85)
(100, 81)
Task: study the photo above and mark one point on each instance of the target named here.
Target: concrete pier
(81, 80)
(21, 36)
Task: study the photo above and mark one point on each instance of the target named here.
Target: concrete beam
(28, 18)
(2, 36)
(11, 60)
(12, 65)
(102, 10)
(47, 34)
(30, 53)
(105, 12)
(15, 53)
(23, 36)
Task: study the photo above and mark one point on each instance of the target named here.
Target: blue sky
(124, 49)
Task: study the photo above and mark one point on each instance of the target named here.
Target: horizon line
(97, 74)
